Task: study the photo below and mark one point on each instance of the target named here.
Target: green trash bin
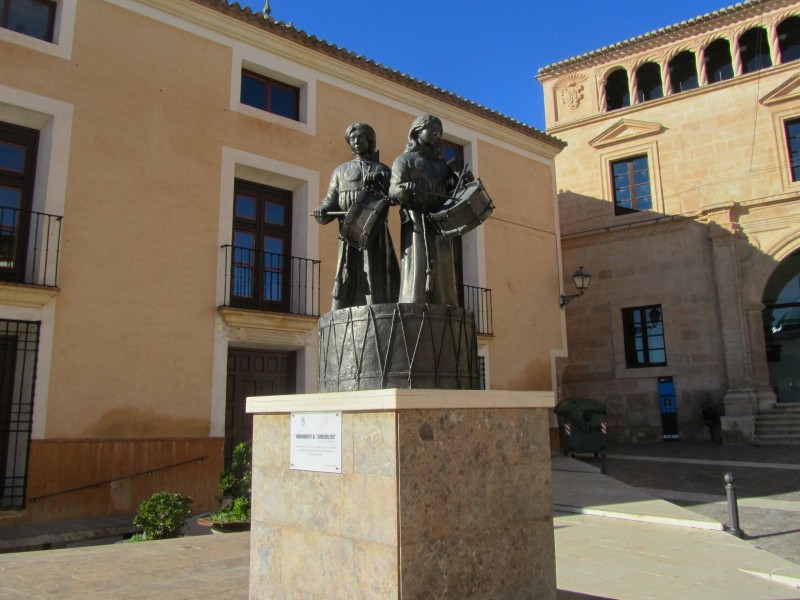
(582, 423)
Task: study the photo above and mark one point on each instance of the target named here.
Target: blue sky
(487, 52)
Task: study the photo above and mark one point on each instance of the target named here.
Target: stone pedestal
(443, 494)
(738, 430)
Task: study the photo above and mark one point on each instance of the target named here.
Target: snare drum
(471, 207)
(365, 218)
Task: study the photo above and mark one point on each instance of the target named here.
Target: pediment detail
(625, 130)
(788, 90)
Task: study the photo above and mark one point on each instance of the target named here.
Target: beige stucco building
(678, 192)
(159, 159)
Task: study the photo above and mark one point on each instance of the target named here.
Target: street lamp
(581, 279)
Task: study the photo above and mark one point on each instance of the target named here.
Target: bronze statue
(367, 271)
(422, 183)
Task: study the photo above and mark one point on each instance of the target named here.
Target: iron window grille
(19, 350)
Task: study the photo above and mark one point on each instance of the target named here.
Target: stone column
(774, 43)
(666, 80)
(737, 57)
(740, 398)
(702, 73)
(765, 395)
(602, 96)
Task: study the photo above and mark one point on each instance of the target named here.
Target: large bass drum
(364, 220)
(470, 207)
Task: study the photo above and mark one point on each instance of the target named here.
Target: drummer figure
(421, 183)
(369, 275)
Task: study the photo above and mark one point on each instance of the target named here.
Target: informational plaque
(316, 442)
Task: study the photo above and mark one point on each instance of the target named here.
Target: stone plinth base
(738, 430)
(443, 494)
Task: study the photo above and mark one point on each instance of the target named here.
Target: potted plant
(235, 485)
(162, 516)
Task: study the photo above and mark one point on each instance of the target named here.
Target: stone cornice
(788, 90)
(397, 399)
(659, 220)
(287, 41)
(716, 21)
(629, 111)
(29, 296)
(256, 319)
(720, 213)
(625, 130)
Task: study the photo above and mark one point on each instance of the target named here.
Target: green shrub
(235, 483)
(162, 516)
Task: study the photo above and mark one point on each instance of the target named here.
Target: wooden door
(253, 373)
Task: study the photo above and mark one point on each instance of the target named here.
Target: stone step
(773, 418)
(784, 435)
(794, 420)
(777, 438)
(758, 441)
(44, 536)
(787, 407)
(777, 426)
(783, 426)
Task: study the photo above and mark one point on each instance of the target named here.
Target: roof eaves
(647, 36)
(290, 32)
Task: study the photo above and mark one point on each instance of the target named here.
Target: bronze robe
(427, 271)
(369, 276)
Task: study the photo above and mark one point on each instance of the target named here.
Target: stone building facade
(678, 192)
(158, 163)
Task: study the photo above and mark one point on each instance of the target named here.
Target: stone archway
(781, 321)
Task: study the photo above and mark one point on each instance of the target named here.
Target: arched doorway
(782, 328)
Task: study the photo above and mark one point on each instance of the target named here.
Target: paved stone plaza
(613, 540)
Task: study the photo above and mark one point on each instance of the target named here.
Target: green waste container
(582, 423)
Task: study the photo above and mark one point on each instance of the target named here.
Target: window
(17, 168)
(631, 181)
(683, 72)
(19, 348)
(718, 61)
(793, 143)
(648, 82)
(789, 39)
(270, 95)
(35, 18)
(261, 247)
(453, 152)
(617, 92)
(643, 329)
(755, 50)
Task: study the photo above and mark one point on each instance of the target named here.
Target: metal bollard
(733, 508)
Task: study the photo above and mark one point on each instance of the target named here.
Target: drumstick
(460, 177)
(331, 213)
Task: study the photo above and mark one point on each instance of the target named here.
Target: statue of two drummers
(436, 204)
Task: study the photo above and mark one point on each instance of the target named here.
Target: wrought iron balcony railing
(479, 301)
(271, 282)
(30, 243)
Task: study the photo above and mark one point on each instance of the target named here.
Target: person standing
(421, 181)
(367, 275)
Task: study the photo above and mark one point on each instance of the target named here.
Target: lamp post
(581, 279)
